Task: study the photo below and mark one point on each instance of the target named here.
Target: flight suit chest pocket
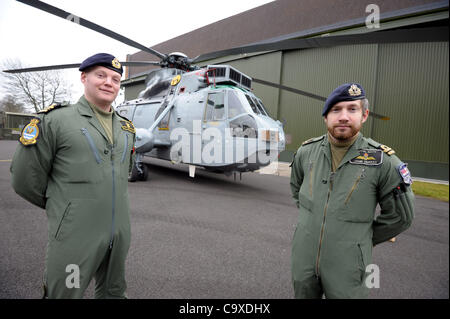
(358, 196)
(307, 186)
(85, 160)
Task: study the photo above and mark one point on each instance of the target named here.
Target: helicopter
(201, 116)
(207, 117)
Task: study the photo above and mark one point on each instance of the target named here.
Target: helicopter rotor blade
(311, 95)
(287, 88)
(432, 34)
(75, 65)
(140, 63)
(44, 68)
(90, 25)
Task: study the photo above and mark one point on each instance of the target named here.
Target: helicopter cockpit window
(261, 107)
(252, 104)
(215, 107)
(235, 106)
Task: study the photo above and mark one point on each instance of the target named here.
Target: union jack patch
(404, 173)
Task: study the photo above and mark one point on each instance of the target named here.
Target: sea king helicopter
(201, 116)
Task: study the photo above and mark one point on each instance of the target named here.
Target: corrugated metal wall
(412, 89)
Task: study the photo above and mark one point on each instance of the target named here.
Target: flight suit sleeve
(32, 164)
(396, 200)
(296, 176)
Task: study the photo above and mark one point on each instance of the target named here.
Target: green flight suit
(337, 228)
(72, 170)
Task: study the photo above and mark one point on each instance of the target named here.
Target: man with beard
(337, 180)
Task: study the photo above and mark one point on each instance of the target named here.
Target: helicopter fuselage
(204, 118)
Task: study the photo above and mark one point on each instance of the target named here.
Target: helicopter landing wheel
(135, 175)
(144, 175)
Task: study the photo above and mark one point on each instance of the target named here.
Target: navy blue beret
(102, 59)
(344, 92)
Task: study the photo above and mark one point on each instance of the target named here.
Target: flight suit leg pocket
(361, 264)
(78, 223)
(64, 223)
(364, 253)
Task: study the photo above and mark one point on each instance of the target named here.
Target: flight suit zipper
(113, 197)
(323, 223)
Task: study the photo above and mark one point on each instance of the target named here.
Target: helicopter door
(213, 129)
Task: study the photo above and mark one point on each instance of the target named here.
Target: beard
(343, 134)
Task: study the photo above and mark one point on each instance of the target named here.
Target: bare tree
(9, 104)
(36, 90)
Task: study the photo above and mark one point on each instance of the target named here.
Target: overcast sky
(38, 38)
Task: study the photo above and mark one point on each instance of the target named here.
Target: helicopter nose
(144, 140)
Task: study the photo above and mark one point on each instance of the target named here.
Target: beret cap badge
(115, 63)
(354, 90)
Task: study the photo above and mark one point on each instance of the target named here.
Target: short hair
(364, 104)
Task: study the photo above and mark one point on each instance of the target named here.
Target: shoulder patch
(30, 132)
(389, 151)
(313, 140)
(128, 126)
(403, 170)
(54, 106)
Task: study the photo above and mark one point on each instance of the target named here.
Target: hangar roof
(281, 20)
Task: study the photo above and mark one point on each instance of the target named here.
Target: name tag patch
(368, 157)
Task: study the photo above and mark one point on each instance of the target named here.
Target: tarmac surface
(216, 237)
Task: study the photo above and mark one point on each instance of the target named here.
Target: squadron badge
(30, 132)
(368, 157)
